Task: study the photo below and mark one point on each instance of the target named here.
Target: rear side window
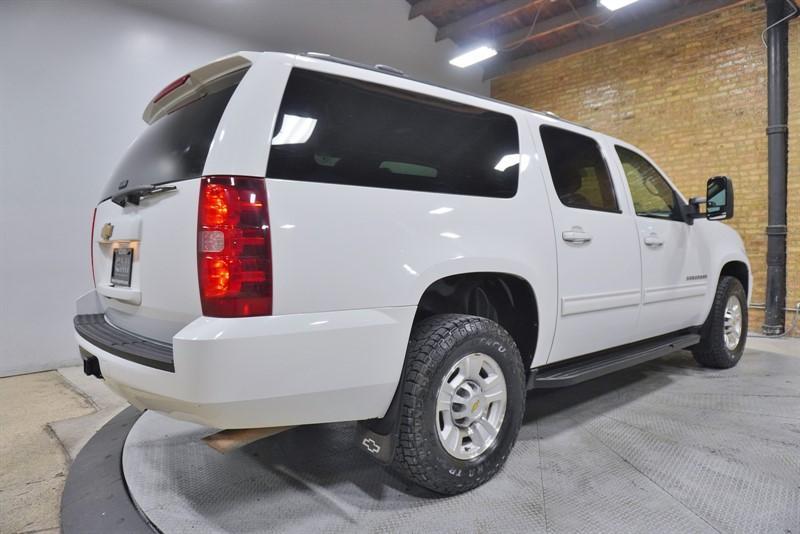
(345, 131)
(579, 172)
(172, 149)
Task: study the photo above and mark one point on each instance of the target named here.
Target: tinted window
(579, 172)
(652, 196)
(345, 131)
(174, 148)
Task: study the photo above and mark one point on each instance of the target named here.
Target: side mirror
(719, 198)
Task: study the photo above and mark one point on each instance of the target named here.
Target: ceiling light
(473, 56)
(294, 130)
(614, 5)
(441, 211)
(509, 160)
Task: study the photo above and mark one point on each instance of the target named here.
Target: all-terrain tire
(436, 344)
(712, 351)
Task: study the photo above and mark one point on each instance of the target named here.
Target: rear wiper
(135, 195)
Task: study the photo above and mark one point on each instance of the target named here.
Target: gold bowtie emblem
(107, 230)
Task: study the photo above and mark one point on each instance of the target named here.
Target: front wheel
(725, 331)
(463, 398)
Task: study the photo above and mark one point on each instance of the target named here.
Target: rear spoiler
(207, 79)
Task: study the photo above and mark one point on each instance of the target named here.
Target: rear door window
(344, 131)
(172, 149)
(578, 170)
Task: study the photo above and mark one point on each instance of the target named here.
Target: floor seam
(75, 389)
(541, 475)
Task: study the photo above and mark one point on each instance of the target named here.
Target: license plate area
(122, 266)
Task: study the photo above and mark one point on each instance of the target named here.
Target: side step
(588, 367)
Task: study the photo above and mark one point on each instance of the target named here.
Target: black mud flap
(378, 437)
(379, 446)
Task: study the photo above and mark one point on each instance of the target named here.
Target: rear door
(599, 275)
(675, 276)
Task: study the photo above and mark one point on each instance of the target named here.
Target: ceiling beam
(425, 7)
(460, 28)
(546, 26)
(615, 31)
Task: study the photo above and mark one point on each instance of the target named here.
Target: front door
(599, 273)
(675, 277)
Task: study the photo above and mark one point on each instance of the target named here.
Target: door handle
(653, 241)
(576, 235)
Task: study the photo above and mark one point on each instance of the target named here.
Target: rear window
(344, 131)
(172, 149)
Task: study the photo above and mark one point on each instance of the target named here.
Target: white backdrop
(74, 79)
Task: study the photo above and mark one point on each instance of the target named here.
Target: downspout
(777, 41)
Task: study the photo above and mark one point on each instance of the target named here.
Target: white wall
(74, 79)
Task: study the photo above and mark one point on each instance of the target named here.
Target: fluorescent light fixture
(473, 56)
(509, 160)
(295, 130)
(450, 235)
(441, 211)
(614, 5)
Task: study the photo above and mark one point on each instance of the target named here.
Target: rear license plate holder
(122, 266)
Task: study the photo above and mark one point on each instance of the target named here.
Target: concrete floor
(44, 421)
(45, 418)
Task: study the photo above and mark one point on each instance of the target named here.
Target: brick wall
(694, 97)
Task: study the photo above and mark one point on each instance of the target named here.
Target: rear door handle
(576, 235)
(653, 241)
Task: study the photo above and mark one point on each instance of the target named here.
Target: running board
(572, 372)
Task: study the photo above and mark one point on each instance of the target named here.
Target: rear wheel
(463, 398)
(725, 331)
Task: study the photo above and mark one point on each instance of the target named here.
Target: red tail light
(91, 247)
(233, 247)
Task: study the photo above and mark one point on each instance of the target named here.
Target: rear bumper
(270, 371)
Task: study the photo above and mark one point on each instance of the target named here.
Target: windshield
(172, 149)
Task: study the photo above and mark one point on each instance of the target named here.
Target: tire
(436, 345)
(714, 350)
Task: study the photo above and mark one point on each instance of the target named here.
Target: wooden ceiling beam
(426, 7)
(460, 29)
(618, 31)
(547, 26)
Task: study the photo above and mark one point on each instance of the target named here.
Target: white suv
(298, 239)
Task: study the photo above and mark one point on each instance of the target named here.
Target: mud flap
(378, 446)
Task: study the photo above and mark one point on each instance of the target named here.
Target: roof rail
(379, 67)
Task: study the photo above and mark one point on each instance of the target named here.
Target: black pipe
(777, 138)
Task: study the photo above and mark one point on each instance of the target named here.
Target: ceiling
(367, 31)
(562, 27)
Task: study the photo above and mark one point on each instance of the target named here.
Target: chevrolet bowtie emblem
(107, 230)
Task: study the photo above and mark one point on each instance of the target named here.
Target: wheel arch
(739, 270)
(736, 267)
(508, 299)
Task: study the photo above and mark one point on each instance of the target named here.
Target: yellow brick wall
(694, 97)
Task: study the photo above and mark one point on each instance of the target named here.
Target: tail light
(234, 259)
(91, 247)
(171, 87)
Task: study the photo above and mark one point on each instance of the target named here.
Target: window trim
(618, 209)
(680, 204)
